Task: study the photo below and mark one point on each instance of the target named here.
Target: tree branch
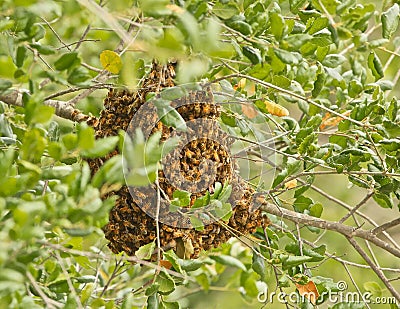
(62, 109)
(386, 226)
(375, 268)
(345, 230)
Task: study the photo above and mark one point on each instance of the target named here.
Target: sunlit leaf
(309, 291)
(110, 61)
(276, 109)
(390, 21)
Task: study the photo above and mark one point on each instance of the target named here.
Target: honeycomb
(130, 226)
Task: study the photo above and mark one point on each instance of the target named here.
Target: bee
(207, 108)
(203, 145)
(188, 153)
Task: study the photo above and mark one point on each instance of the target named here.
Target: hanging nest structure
(131, 223)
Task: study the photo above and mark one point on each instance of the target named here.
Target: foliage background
(336, 54)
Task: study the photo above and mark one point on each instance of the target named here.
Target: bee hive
(130, 226)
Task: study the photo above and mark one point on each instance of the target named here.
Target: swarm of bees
(130, 227)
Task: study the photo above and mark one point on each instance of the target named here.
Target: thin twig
(50, 303)
(68, 278)
(386, 226)
(131, 259)
(354, 283)
(355, 208)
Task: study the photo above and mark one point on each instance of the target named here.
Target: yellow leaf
(291, 184)
(110, 61)
(328, 121)
(249, 111)
(309, 291)
(176, 9)
(241, 84)
(165, 263)
(276, 109)
(244, 84)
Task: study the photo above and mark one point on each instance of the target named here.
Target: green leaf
(154, 7)
(295, 5)
(225, 192)
(190, 265)
(334, 60)
(253, 54)
(70, 141)
(166, 283)
(78, 76)
(171, 305)
(153, 301)
(66, 61)
(318, 24)
(181, 198)
(101, 147)
(20, 56)
(292, 261)
(225, 11)
(277, 25)
(390, 21)
(316, 210)
(60, 286)
(111, 172)
(228, 261)
(258, 265)
(110, 61)
(85, 136)
(318, 84)
(202, 201)
(4, 84)
(203, 280)
(172, 93)
(286, 56)
(5, 128)
(169, 115)
(228, 119)
(374, 288)
(375, 66)
(280, 177)
(152, 289)
(196, 223)
(224, 212)
(241, 26)
(43, 49)
(145, 252)
(302, 203)
(383, 200)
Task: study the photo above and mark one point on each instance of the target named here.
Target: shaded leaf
(66, 61)
(375, 66)
(252, 53)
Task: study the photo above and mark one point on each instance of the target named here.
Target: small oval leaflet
(110, 61)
